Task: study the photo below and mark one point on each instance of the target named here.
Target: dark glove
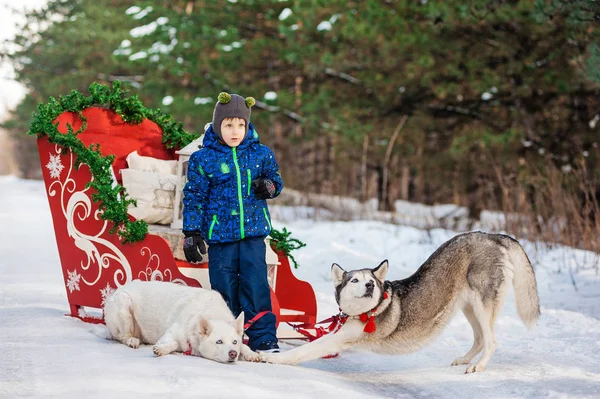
(264, 188)
(193, 246)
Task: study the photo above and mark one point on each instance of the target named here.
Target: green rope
(113, 200)
(283, 242)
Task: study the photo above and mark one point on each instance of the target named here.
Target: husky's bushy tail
(525, 286)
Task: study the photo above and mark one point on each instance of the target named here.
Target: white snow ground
(45, 354)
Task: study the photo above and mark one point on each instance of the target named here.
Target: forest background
(490, 105)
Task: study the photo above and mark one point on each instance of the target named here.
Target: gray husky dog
(470, 272)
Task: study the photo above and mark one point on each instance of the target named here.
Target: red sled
(95, 262)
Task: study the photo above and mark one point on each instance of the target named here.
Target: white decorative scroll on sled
(88, 230)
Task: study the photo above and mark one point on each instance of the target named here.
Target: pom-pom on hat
(231, 106)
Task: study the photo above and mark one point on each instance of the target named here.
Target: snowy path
(46, 354)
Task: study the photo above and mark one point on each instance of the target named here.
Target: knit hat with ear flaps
(231, 106)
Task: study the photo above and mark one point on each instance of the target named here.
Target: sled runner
(95, 261)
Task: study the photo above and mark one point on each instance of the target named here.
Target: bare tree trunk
(363, 169)
(384, 205)
(310, 149)
(323, 155)
(419, 178)
(456, 186)
(330, 166)
(507, 204)
(373, 185)
(404, 181)
(352, 189)
(320, 156)
(394, 185)
(298, 93)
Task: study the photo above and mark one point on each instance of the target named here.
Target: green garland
(113, 201)
(283, 242)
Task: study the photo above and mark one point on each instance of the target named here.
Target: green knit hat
(231, 106)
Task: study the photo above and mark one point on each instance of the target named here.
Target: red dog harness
(336, 322)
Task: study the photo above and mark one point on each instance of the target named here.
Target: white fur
(175, 318)
(352, 298)
(526, 295)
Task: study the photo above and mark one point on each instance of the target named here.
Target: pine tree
(486, 87)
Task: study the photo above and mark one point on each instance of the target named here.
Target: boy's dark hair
(231, 106)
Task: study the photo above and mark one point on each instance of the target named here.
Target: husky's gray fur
(470, 272)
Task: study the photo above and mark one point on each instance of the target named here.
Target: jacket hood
(211, 140)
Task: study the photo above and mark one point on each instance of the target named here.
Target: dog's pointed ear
(337, 274)
(239, 324)
(204, 327)
(381, 271)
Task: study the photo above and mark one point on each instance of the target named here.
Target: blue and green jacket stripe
(218, 198)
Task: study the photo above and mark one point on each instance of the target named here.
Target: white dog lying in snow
(176, 318)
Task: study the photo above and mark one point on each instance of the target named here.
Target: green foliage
(593, 63)
(478, 78)
(113, 199)
(284, 242)
(63, 46)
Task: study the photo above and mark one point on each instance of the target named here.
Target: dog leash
(254, 319)
(336, 322)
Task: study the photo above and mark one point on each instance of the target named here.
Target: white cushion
(150, 164)
(154, 193)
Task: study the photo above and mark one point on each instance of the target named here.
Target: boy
(229, 180)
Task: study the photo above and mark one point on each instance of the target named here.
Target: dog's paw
(251, 356)
(160, 350)
(133, 342)
(460, 360)
(274, 358)
(474, 368)
(268, 358)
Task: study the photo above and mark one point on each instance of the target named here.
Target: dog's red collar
(189, 351)
(369, 317)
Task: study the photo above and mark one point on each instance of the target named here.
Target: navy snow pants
(238, 271)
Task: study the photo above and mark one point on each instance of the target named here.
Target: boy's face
(233, 131)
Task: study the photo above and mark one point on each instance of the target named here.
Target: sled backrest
(116, 137)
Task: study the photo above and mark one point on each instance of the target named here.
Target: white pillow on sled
(150, 164)
(154, 193)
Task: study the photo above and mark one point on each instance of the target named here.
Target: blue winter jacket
(218, 198)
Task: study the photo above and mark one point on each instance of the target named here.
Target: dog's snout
(369, 284)
(232, 354)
